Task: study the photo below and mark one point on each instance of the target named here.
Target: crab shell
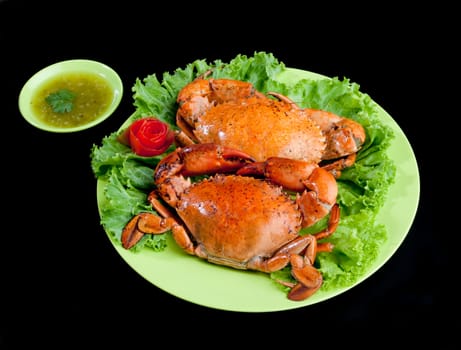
(262, 127)
(237, 219)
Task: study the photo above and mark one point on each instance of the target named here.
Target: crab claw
(207, 158)
(286, 172)
(194, 160)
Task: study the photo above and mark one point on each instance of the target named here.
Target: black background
(60, 275)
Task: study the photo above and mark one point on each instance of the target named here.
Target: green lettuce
(363, 187)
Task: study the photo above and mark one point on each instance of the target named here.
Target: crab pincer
(199, 159)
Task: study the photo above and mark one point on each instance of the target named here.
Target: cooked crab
(234, 114)
(231, 218)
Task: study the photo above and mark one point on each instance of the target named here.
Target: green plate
(200, 282)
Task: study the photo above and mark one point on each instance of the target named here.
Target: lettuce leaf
(362, 187)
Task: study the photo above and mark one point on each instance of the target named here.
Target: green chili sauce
(93, 96)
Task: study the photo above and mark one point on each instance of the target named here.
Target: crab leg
(303, 270)
(338, 165)
(179, 233)
(144, 223)
(281, 258)
(308, 277)
(302, 267)
(311, 277)
(332, 225)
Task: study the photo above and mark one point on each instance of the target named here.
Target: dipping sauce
(92, 97)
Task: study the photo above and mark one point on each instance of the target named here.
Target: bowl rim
(67, 66)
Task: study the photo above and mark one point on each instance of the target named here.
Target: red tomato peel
(148, 136)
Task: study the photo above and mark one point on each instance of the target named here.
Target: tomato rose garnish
(148, 136)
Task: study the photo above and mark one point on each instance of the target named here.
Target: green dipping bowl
(99, 73)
